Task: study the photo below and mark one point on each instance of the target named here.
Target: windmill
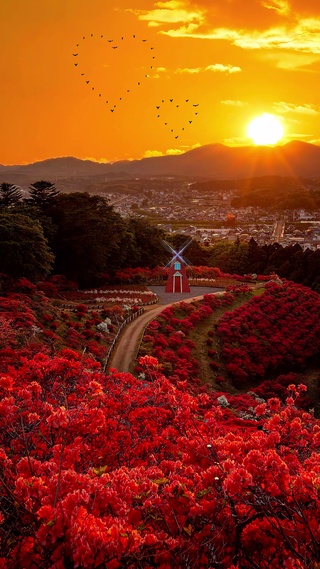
(177, 278)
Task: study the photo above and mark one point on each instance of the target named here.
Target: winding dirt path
(126, 348)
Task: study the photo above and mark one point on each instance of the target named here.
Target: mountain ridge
(296, 158)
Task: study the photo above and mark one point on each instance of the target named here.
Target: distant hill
(212, 161)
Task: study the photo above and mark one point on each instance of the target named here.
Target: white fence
(124, 323)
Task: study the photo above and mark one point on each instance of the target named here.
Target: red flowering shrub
(104, 470)
(280, 327)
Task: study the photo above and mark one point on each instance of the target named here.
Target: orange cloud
(174, 151)
(234, 103)
(170, 13)
(280, 6)
(283, 107)
(216, 67)
(285, 29)
(220, 68)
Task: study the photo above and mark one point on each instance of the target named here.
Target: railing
(124, 323)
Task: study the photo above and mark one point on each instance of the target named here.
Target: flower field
(162, 470)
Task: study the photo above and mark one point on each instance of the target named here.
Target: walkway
(126, 349)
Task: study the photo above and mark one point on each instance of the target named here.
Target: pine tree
(9, 194)
(42, 194)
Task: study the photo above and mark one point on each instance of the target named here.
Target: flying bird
(172, 130)
(128, 90)
(101, 36)
(75, 64)
(151, 47)
(138, 83)
(171, 100)
(177, 105)
(92, 88)
(87, 81)
(75, 54)
(144, 40)
(157, 107)
(110, 41)
(112, 110)
(196, 105)
(158, 116)
(114, 47)
(187, 100)
(99, 94)
(133, 36)
(190, 122)
(165, 124)
(92, 35)
(82, 73)
(177, 136)
(195, 113)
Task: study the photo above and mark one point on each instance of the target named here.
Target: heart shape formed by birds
(112, 68)
(177, 115)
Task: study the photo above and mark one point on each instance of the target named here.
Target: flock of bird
(112, 44)
(168, 105)
(162, 109)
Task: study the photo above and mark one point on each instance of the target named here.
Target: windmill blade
(185, 245)
(168, 247)
(187, 262)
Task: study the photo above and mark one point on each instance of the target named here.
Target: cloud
(280, 6)
(237, 141)
(234, 103)
(293, 32)
(287, 60)
(152, 153)
(190, 70)
(169, 152)
(174, 151)
(99, 160)
(304, 37)
(283, 107)
(216, 67)
(172, 12)
(219, 67)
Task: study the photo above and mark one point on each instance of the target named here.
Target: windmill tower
(177, 278)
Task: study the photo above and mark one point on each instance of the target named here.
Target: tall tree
(9, 194)
(42, 194)
(24, 251)
(88, 237)
(143, 244)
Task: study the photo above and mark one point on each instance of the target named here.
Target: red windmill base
(177, 278)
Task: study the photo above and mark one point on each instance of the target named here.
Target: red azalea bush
(168, 336)
(279, 327)
(112, 471)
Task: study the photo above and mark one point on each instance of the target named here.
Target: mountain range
(212, 161)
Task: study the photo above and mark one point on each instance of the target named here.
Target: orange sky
(234, 59)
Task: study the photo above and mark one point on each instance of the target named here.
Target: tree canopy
(23, 248)
(9, 194)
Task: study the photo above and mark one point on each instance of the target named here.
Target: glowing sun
(265, 129)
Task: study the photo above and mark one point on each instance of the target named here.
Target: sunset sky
(234, 59)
